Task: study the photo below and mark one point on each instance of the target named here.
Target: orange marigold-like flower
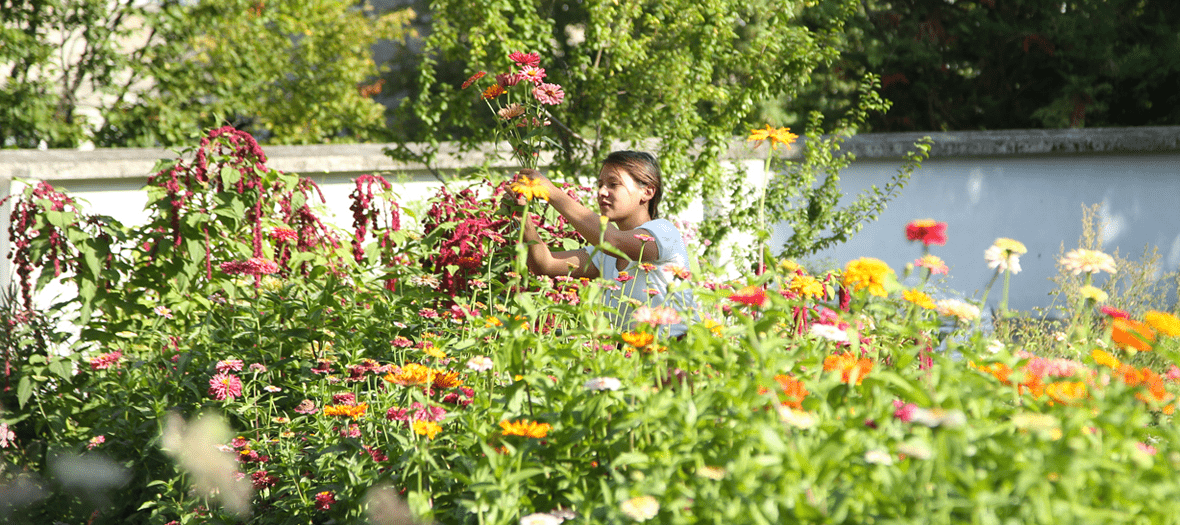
(444, 379)
(775, 135)
(530, 188)
(1129, 333)
(849, 366)
(525, 428)
(1067, 392)
(806, 286)
(867, 272)
(637, 339)
(751, 295)
(471, 80)
(493, 91)
(353, 411)
(793, 391)
(1163, 323)
(412, 374)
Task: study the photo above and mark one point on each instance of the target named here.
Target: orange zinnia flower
(1067, 392)
(1131, 333)
(493, 91)
(793, 390)
(353, 411)
(525, 428)
(412, 374)
(637, 339)
(444, 379)
(849, 366)
(775, 135)
(426, 428)
(1104, 358)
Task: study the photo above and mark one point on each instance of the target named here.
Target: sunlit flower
(480, 363)
(530, 188)
(657, 315)
(107, 360)
(428, 281)
(426, 428)
(471, 80)
(918, 298)
(306, 406)
(867, 272)
(1087, 261)
(878, 457)
(793, 391)
(928, 231)
(283, 234)
(1093, 293)
(806, 286)
(229, 365)
(353, 411)
(642, 508)
(795, 418)
(933, 263)
(225, 386)
(776, 136)
(532, 74)
(637, 339)
(1111, 311)
(851, 368)
(1004, 255)
(1104, 358)
(829, 332)
(433, 351)
(1163, 323)
(711, 472)
(493, 91)
(413, 374)
(95, 442)
(525, 428)
(1129, 333)
(162, 311)
(961, 310)
(549, 94)
(1067, 392)
(511, 111)
(750, 296)
(599, 384)
(251, 266)
(540, 518)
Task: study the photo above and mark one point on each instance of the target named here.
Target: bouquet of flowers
(518, 99)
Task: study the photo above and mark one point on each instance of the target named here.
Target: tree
(992, 64)
(298, 71)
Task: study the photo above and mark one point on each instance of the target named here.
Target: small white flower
(540, 518)
(829, 332)
(599, 384)
(795, 418)
(995, 346)
(1002, 260)
(642, 508)
(272, 388)
(878, 457)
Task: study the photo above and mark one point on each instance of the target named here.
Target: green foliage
(758, 415)
(992, 64)
(687, 73)
(129, 74)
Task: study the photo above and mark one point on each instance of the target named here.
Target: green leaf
(24, 390)
(230, 176)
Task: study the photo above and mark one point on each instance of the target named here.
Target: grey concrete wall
(1028, 185)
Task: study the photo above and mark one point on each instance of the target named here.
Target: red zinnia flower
(751, 296)
(526, 59)
(549, 94)
(926, 230)
(324, 500)
(105, 361)
(225, 386)
(473, 78)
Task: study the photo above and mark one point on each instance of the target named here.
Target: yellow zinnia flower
(525, 428)
(775, 135)
(353, 411)
(1163, 323)
(867, 272)
(918, 298)
(806, 286)
(426, 428)
(1093, 293)
(530, 189)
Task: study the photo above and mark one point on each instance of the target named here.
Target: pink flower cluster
(251, 266)
(224, 386)
(416, 412)
(107, 360)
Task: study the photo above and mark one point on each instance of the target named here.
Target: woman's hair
(642, 167)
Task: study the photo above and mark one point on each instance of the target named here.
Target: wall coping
(135, 163)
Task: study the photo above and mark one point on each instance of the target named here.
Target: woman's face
(619, 196)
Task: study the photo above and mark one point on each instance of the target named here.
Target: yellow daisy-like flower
(1163, 323)
(918, 298)
(426, 428)
(637, 339)
(1010, 246)
(1093, 293)
(867, 272)
(1103, 358)
(776, 136)
(806, 286)
(434, 352)
(530, 189)
(353, 411)
(525, 428)
(412, 374)
(787, 265)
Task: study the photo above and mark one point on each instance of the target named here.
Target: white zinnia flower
(603, 383)
(829, 332)
(642, 508)
(540, 518)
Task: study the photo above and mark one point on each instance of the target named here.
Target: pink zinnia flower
(1173, 373)
(107, 360)
(306, 406)
(933, 263)
(347, 398)
(532, 74)
(225, 386)
(283, 234)
(1115, 312)
(263, 479)
(751, 296)
(430, 413)
(508, 80)
(353, 431)
(229, 365)
(401, 342)
(324, 500)
(397, 414)
(526, 59)
(258, 367)
(549, 94)
(95, 442)
(904, 411)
